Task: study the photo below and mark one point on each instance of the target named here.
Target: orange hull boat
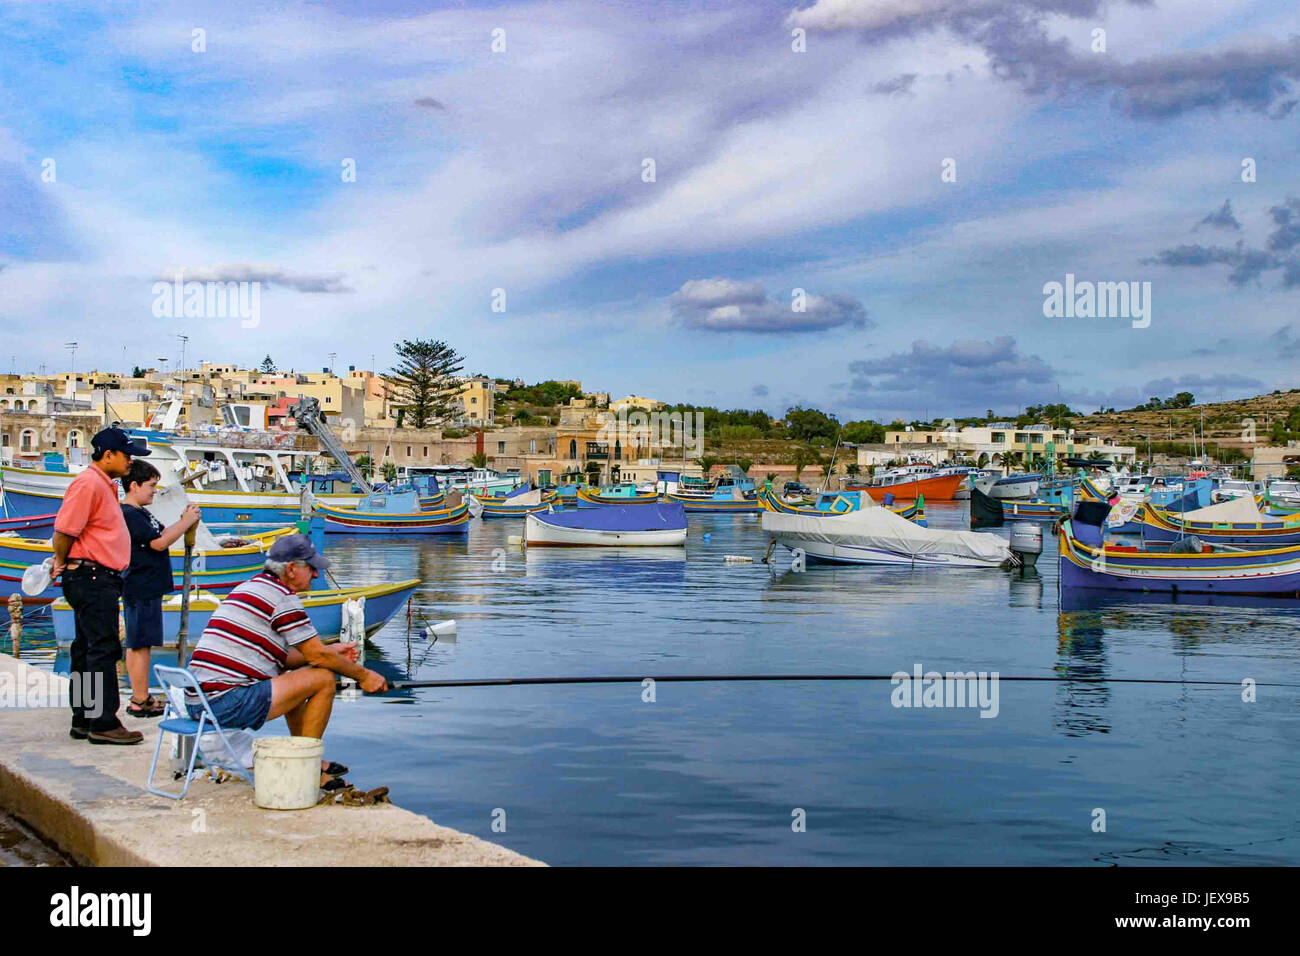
(941, 488)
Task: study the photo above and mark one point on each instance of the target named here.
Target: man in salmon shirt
(91, 548)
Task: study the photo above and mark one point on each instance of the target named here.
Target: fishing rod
(723, 678)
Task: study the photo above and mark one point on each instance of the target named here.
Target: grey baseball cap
(297, 547)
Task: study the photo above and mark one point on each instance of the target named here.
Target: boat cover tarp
(666, 516)
(1234, 510)
(517, 492)
(881, 528)
(525, 498)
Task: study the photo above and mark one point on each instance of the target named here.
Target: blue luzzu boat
(1236, 522)
(394, 513)
(325, 608)
(831, 503)
(1087, 563)
(213, 570)
(624, 493)
(518, 503)
(1051, 502)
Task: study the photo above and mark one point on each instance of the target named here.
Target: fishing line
(702, 678)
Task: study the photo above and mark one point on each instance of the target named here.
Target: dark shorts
(243, 708)
(144, 623)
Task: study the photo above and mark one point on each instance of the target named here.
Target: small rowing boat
(394, 513)
(652, 526)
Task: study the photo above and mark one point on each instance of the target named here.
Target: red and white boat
(912, 481)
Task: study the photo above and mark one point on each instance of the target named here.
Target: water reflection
(1082, 654)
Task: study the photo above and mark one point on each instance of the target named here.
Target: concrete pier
(91, 802)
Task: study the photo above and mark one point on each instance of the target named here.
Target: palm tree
(478, 459)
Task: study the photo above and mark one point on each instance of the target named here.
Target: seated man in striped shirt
(260, 657)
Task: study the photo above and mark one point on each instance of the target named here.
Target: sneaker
(119, 736)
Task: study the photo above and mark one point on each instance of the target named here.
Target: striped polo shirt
(249, 636)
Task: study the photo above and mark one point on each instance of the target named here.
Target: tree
(390, 471)
(268, 365)
(801, 461)
(706, 463)
(365, 465)
(864, 433)
(744, 464)
(478, 459)
(852, 469)
(810, 424)
(422, 382)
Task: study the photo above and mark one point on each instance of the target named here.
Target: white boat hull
(856, 554)
(538, 533)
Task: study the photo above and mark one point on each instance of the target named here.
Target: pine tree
(423, 382)
(268, 366)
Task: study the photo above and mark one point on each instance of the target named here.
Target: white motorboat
(876, 535)
(1009, 486)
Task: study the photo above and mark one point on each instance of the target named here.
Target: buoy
(707, 536)
(442, 628)
(515, 540)
(737, 559)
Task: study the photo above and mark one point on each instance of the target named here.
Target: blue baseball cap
(298, 547)
(114, 439)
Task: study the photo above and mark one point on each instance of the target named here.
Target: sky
(855, 205)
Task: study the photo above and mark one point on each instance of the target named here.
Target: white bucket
(286, 772)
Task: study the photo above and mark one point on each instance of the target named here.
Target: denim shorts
(144, 623)
(241, 708)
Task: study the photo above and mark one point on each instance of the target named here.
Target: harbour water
(717, 773)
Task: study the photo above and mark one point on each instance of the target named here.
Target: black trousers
(93, 594)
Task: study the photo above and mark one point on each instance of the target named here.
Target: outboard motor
(1027, 541)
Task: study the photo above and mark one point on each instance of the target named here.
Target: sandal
(149, 708)
(335, 769)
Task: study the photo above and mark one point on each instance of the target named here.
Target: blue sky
(775, 170)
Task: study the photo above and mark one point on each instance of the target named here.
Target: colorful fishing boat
(1235, 521)
(517, 504)
(325, 608)
(394, 513)
(215, 570)
(721, 501)
(1086, 562)
(832, 503)
(1052, 502)
(20, 526)
(226, 494)
(655, 525)
(619, 494)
